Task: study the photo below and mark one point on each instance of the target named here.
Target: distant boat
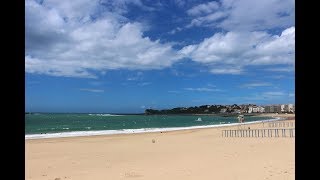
(199, 119)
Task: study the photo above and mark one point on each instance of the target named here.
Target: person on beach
(240, 119)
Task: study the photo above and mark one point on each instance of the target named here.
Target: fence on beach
(279, 124)
(259, 133)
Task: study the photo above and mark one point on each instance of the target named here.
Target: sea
(53, 125)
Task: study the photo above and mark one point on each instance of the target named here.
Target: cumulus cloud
(70, 39)
(85, 37)
(229, 53)
(244, 14)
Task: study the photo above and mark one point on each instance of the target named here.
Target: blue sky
(125, 56)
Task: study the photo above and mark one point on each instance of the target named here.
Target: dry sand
(187, 154)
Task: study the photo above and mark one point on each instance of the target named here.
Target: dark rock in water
(153, 141)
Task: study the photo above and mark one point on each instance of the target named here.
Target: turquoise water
(56, 123)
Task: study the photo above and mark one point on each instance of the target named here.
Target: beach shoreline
(147, 130)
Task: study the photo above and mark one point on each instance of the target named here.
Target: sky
(126, 56)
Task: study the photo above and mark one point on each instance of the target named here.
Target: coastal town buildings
(223, 110)
(226, 109)
(275, 109)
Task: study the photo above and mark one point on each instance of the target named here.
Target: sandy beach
(186, 154)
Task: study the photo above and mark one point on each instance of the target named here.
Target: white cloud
(92, 90)
(245, 14)
(121, 6)
(202, 89)
(256, 84)
(136, 77)
(226, 70)
(203, 8)
(281, 69)
(144, 83)
(83, 38)
(291, 95)
(272, 94)
(62, 39)
(207, 20)
(229, 53)
(177, 29)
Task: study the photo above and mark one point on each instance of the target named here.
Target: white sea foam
(132, 131)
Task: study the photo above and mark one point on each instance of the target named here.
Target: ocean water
(54, 125)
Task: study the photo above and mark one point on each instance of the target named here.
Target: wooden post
(290, 132)
(294, 132)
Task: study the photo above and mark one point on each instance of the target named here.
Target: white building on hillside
(261, 109)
